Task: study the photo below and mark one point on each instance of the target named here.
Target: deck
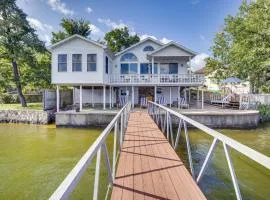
(148, 166)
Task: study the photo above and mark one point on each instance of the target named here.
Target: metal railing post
(121, 131)
(108, 166)
(114, 148)
(97, 172)
(189, 150)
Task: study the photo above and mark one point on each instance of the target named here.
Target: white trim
(142, 41)
(175, 44)
(73, 37)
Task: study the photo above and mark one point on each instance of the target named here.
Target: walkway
(148, 166)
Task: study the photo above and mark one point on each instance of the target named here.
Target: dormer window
(148, 48)
(128, 57)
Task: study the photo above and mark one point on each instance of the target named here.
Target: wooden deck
(148, 166)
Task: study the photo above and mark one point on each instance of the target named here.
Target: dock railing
(119, 124)
(162, 116)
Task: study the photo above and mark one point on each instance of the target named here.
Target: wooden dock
(148, 166)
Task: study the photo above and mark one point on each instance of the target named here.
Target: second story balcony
(156, 79)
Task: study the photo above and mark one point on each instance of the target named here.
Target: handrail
(70, 182)
(154, 110)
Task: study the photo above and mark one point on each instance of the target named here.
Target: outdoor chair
(182, 103)
(143, 102)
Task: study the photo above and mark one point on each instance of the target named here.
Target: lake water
(34, 159)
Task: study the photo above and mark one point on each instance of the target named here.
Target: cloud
(59, 6)
(38, 25)
(165, 40)
(198, 61)
(202, 37)
(113, 24)
(195, 2)
(144, 36)
(89, 10)
(43, 30)
(96, 32)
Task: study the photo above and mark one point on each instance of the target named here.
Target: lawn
(30, 106)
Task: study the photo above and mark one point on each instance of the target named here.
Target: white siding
(77, 46)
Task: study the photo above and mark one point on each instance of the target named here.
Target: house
(147, 69)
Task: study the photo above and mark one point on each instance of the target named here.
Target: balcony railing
(156, 78)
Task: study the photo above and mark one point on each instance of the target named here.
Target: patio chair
(183, 103)
(161, 101)
(122, 101)
(143, 102)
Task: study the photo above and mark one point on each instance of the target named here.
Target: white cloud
(198, 61)
(38, 25)
(89, 10)
(59, 6)
(113, 24)
(202, 37)
(96, 32)
(195, 2)
(165, 40)
(144, 36)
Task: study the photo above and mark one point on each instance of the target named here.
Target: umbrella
(231, 80)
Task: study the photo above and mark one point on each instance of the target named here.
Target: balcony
(156, 79)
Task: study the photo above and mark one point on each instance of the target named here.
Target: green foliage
(264, 112)
(242, 48)
(15, 106)
(6, 98)
(120, 39)
(71, 27)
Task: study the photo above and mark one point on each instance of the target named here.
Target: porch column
(178, 92)
(155, 95)
(152, 65)
(202, 100)
(92, 96)
(170, 97)
(80, 98)
(132, 100)
(57, 98)
(189, 95)
(198, 94)
(73, 95)
(110, 97)
(104, 97)
(189, 63)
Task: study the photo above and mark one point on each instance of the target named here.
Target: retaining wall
(26, 116)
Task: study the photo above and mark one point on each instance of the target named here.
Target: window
(129, 68)
(169, 68)
(62, 62)
(76, 62)
(148, 48)
(128, 57)
(173, 68)
(146, 68)
(91, 62)
(107, 65)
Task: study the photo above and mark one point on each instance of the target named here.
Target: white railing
(162, 116)
(156, 78)
(250, 101)
(119, 124)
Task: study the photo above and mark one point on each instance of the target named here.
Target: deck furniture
(182, 103)
(143, 102)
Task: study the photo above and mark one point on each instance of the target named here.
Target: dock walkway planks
(148, 166)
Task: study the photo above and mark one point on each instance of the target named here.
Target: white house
(147, 69)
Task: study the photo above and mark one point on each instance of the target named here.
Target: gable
(172, 50)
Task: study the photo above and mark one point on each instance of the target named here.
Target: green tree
(120, 39)
(71, 27)
(18, 40)
(243, 46)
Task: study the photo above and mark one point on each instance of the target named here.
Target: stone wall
(26, 116)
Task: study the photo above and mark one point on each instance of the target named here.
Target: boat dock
(148, 166)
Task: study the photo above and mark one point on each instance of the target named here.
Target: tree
(243, 46)
(18, 40)
(120, 39)
(71, 27)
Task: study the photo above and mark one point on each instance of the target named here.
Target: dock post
(80, 98)
(104, 97)
(57, 98)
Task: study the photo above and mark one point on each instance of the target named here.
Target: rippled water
(35, 159)
(253, 179)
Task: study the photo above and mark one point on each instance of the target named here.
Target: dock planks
(148, 166)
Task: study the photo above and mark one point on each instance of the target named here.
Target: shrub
(9, 98)
(264, 112)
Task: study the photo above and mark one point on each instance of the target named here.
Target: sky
(192, 23)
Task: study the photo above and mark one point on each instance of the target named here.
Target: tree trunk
(18, 83)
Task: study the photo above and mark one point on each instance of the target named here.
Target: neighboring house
(212, 84)
(148, 69)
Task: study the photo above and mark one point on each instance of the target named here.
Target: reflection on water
(216, 183)
(34, 159)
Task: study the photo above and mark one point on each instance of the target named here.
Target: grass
(15, 106)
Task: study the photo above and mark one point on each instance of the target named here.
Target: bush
(9, 98)
(264, 112)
